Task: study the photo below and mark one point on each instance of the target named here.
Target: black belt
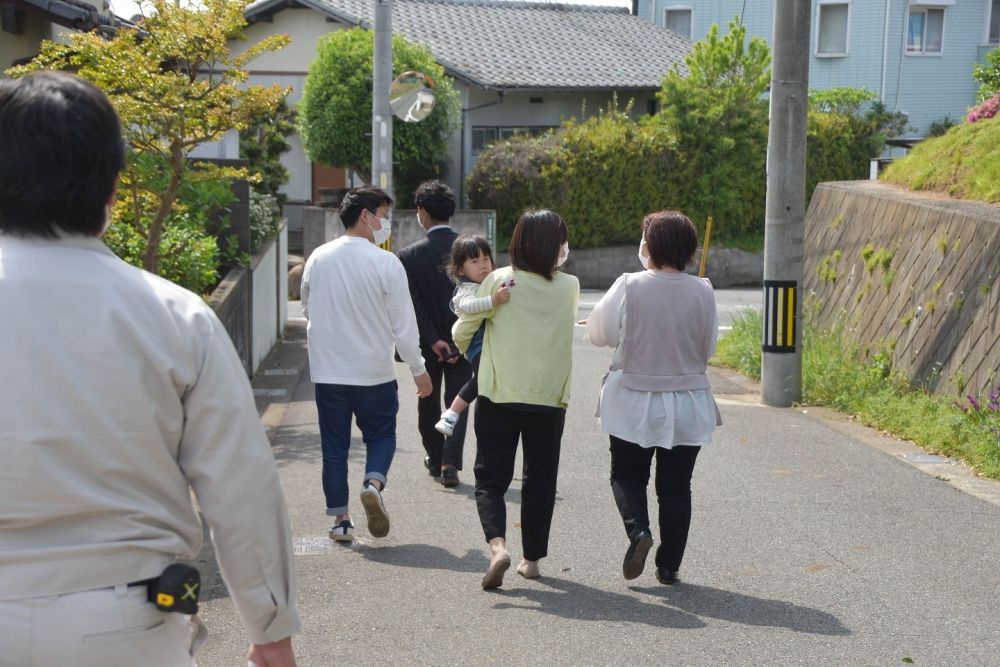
(144, 582)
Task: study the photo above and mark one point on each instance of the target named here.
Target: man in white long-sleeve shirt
(120, 393)
(356, 299)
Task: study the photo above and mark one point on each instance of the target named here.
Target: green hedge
(604, 174)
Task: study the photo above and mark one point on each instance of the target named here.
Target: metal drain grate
(313, 546)
(269, 392)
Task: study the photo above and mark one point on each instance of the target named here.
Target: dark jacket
(430, 288)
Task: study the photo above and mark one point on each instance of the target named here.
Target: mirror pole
(381, 112)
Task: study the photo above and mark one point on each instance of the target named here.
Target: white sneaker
(446, 425)
(343, 531)
(378, 518)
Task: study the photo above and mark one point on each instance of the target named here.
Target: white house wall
(14, 47)
(305, 26)
(288, 67)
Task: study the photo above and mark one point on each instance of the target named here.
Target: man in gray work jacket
(119, 392)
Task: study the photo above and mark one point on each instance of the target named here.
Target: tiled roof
(503, 44)
(76, 14)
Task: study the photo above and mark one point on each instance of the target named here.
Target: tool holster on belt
(177, 589)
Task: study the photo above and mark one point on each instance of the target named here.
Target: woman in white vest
(656, 399)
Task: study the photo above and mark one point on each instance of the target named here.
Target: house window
(678, 19)
(994, 36)
(924, 30)
(482, 137)
(831, 29)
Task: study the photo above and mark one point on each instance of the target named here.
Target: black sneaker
(343, 531)
(635, 556)
(449, 477)
(666, 577)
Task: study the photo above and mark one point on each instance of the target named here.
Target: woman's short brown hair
(671, 239)
(535, 243)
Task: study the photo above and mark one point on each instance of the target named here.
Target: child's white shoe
(446, 425)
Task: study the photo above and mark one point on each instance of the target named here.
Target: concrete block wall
(934, 300)
(598, 268)
(321, 225)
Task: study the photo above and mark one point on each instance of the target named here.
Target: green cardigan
(528, 344)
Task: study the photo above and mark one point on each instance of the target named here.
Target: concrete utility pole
(381, 111)
(784, 222)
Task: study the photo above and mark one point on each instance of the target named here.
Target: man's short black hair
(437, 199)
(534, 245)
(61, 148)
(670, 238)
(365, 198)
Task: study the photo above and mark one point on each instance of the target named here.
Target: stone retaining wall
(911, 274)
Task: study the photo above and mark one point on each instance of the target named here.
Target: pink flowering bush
(986, 109)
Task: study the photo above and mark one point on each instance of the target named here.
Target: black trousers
(498, 429)
(630, 465)
(441, 450)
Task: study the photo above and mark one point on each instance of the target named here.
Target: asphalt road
(814, 542)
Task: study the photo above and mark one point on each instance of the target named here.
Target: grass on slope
(835, 375)
(964, 163)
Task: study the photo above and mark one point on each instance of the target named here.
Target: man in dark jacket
(431, 289)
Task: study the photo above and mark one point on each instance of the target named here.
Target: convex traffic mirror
(411, 96)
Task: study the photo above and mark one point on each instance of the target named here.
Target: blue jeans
(375, 409)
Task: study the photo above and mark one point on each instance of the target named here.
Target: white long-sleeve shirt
(357, 301)
(119, 391)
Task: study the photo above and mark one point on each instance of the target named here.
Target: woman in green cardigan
(524, 375)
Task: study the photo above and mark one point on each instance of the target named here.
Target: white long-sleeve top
(356, 299)
(465, 301)
(120, 393)
(647, 418)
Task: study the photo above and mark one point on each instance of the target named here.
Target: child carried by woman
(471, 261)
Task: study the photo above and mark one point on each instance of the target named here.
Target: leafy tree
(335, 111)
(988, 75)
(176, 85)
(263, 144)
(847, 127)
(844, 101)
(719, 118)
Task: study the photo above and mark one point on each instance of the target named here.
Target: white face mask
(643, 259)
(382, 235)
(563, 254)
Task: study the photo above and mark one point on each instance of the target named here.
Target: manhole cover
(311, 546)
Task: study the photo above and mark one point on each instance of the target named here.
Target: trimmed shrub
(507, 177)
(609, 172)
(264, 217)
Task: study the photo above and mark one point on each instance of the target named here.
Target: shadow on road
(293, 443)
(705, 601)
(568, 599)
(426, 556)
